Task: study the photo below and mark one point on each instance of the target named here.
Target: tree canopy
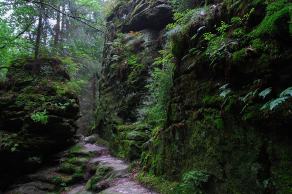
(70, 29)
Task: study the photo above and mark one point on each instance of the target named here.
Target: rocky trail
(85, 168)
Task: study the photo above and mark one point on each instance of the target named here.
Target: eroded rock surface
(228, 120)
(37, 116)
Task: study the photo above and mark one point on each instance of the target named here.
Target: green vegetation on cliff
(216, 106)
(197, 95)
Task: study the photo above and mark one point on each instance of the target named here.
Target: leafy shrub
(159, 88)
(217, 44)
(159, 184)
(136, 69)
(73, 86)
(185, 17)
(40, 117)
(192, 182)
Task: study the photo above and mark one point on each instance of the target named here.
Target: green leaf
(287, 92)
(274, 103)
(265, 92)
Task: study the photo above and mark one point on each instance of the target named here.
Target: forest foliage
(71, 30)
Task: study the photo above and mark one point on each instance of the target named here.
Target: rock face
(37, 115)
(133, 42)
(229, 110)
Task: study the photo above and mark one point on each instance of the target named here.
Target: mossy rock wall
(217, 119)
(37, 115)
(229, 114)
(128, 57)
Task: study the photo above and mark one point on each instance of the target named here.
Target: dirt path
(119, 181)
(103, 174)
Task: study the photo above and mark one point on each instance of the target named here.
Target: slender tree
(57, 26)
(39, 30)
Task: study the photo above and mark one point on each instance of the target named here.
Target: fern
(192, 182)
(265, 92)
(271, 105)
(287, 92)
(159, 87)
(224, 90)
(40, 117)
(283, 97)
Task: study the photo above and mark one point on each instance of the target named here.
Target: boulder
(148, 15)
(37, 115)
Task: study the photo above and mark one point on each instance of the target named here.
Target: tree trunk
(57, 28)
(45, 27)
(39, 30)
(63, 26)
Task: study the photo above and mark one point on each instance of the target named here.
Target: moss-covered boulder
(37, 115)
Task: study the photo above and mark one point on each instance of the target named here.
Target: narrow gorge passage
(103, 173)
(84, 168)
(117, 180)
(145, 96)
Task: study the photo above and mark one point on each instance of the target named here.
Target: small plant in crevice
(59, 181)
(40, 117)
(136, 69)
(217, 43)
(159, 87)
(9, 142)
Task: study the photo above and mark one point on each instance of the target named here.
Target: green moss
(100, 174)
(31, 101)
(76, 177)
(136, 69)
(80, 161)
(70, 168)
(258, 44)
(129, 139)
(159, 184)
(76, 149)
(11, 141)
(238, 33)
(212, 100)
(276, 22)
(60, 181)
(219, 123)
(230, 104)
(239, 56)
(275, 6)
(192, 182)
(281, 171)
(178, 43)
